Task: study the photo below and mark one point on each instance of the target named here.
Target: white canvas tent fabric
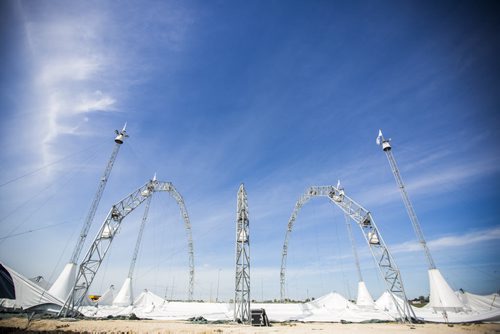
(474, 302)
(41, 282)
(475, 308)
(386, 303)
(107, 297)
(364, 298)
(125, 295)
(27, 293)
(64, 283)
(332, 301)
(148, 299)
(430, 315)
(333, 307)
(283, 312)
(330, 308)
(442, 297)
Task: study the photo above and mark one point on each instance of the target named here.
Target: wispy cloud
(69, 62)
(96, 102)
(431, 179)
(85, 57)
(63, 69)
(451, 241)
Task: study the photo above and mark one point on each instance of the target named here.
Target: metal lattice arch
(100, 246)
(363, 218)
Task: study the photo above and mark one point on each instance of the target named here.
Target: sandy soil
(158, 326)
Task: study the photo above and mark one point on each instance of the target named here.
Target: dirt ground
(20, 325)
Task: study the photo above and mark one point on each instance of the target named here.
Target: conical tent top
(364, 297)
(154, 177)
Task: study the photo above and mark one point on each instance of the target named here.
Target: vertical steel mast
(139, 237)
(242, 286)
(386, 147)
(64, 282)
(351, 236)
(353, 245)
(442, 297)
(125, 296)
(120, 137)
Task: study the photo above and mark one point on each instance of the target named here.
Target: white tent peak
(386, 302)
(147, 298)
(64, 283)
(332, 300)
(442, 297)
(125, 295)
(107, 297)
(364, 297)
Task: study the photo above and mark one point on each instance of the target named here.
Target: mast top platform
(385, 143)
(121, 135)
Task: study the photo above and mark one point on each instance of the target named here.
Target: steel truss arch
(100, 246)
(363, 218)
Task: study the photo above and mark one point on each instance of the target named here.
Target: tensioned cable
(47, 165)
(459, 266)
(319, 260)
(62, 253)
(53, 184)
(68, 178)
(158, 230)
(33, 230)
(339, 252)
(153, 267)
(106, 268)
(136, 156)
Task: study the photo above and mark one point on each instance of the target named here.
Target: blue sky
(280, 95)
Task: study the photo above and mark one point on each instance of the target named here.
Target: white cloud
(450, 241)
(84, 57)
(70, 66)
(430, 181)
(96, 102)
(58, 71)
